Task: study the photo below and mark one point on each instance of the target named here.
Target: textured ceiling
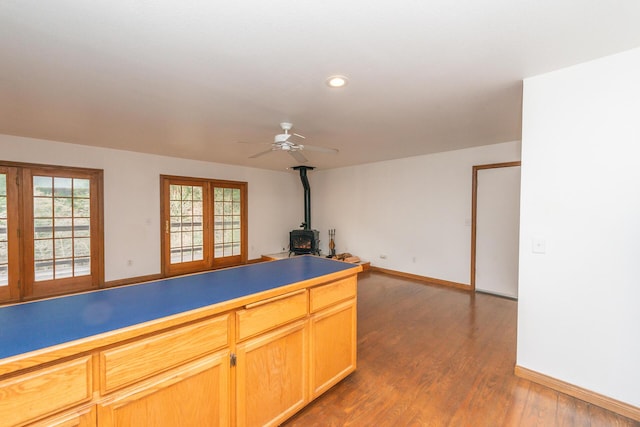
(192, 78)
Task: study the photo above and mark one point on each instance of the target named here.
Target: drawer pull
(279, 297)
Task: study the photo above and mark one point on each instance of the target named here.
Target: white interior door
(497, 228)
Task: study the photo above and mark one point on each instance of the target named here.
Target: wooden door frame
(11, 292)
(209, 262)
(474, 211)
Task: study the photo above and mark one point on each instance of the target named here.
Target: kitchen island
(249, 345)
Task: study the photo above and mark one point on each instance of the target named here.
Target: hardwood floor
(436, 356)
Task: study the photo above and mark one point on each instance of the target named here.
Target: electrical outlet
(539, 246)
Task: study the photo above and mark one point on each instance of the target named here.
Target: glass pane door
(227, 224)
(186, 223)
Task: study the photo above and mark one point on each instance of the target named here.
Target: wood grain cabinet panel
(271, 313)
(196, 394)
(323, 296)
(81, 417)
(126, 364)
(271, 376)
(333, 346)
(246, 364)
(46, 391)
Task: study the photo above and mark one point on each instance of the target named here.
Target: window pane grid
(226, 222)
(4, 235)
(186, 225)
(62, 232)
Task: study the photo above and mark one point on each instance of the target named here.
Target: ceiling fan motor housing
(281, 137)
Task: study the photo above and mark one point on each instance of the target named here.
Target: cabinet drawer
(45, 391)
(84, 416)
(146, 357)
(268, 314)
(326, 295)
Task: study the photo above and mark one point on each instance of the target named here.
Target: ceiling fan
(286, 142)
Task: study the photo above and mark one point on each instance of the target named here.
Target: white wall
(579, 303)
(415, 211)
(132, 198)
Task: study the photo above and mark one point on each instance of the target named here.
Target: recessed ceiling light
(337, 81)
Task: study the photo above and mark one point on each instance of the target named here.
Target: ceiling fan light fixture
(281, 137)
(337, 81)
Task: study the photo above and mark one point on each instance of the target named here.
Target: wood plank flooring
(436, 356)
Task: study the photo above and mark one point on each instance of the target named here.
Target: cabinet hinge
(233, 360)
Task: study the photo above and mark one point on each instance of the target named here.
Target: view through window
(51, 239)
(62, 232)
(227, 222)
(205, 224)
(187, 228)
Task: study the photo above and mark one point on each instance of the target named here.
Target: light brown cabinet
(333, 346)
(169, 378)
(333, 341)
(131, 362)
(79, 417)
(261, 316)
(250, 362)
(44, 391)
(271, 376)
(196, 394)
(279, 371)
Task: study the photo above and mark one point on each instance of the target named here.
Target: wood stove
(305, 241)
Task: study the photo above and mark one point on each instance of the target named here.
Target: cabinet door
(333, 345)
(271, 376)
(196, 394)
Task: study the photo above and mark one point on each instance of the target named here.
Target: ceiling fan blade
(298, 156)
(252, 142)
(299, 136)
(319, 149)
(262, 153)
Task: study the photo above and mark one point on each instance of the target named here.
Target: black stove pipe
(307, 194)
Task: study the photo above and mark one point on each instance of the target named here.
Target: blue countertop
(41, 324)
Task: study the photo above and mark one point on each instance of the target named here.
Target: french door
(204, 224)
